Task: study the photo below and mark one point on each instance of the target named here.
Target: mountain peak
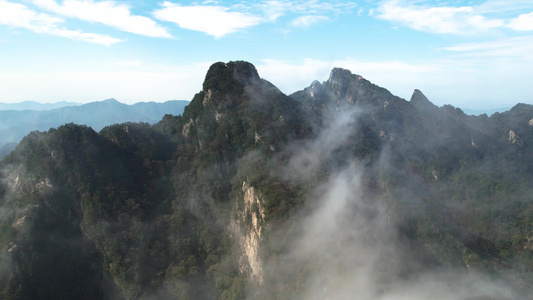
(339, 75)
(419, 100)
(110, 101)
(245, 72)
(223, 76)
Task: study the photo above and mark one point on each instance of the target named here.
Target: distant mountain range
(488, 112)
(17, 120)
(32, 105)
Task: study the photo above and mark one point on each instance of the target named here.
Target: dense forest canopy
(337, 191)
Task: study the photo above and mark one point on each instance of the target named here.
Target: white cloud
(518, 49)
(218, 20)
(523, 22)
(213, 20)
(20, 16)
(307, 7)
(306, 21)
(442, 19)
(499, 6)
(273, 9)
(106, 12)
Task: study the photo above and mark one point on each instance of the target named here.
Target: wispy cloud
(20, 16)
(109, 13)
(306, 21)
(272, 10)
(307, 7)
(516, 48)
(441, 19)
(213, 20)
(218, 21)
(499, 6)
(310, 11)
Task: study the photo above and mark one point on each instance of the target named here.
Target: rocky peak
(421, 102)
(314, 89)
(339, 76)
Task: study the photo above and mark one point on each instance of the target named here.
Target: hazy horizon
(472, 56)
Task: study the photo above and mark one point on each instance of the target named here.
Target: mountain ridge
(14, 125)
(33, 105)
(337, 190)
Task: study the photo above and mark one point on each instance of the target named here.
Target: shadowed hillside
(339, 190)
(15, 124)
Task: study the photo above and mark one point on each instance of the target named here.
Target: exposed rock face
(249, 228)
(339, 81)
(219, 116)
(514, 139)
(314, 89)
(187, 128)
(13, 180)
(44, 185)
(19, 222)
(339, 77)
(435, 176)
(529, 243)
(207, 97)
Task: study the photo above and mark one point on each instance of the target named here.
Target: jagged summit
(229, 199)
(418, 96)
(338, 75)
(233, 93)
(419, 100)
(344, 87)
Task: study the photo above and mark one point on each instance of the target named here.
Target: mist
(348, 244)
(350, 193)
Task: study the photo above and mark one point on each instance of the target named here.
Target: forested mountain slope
(339, 190)
(15, 124)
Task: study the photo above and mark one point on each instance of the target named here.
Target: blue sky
(471, 54)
